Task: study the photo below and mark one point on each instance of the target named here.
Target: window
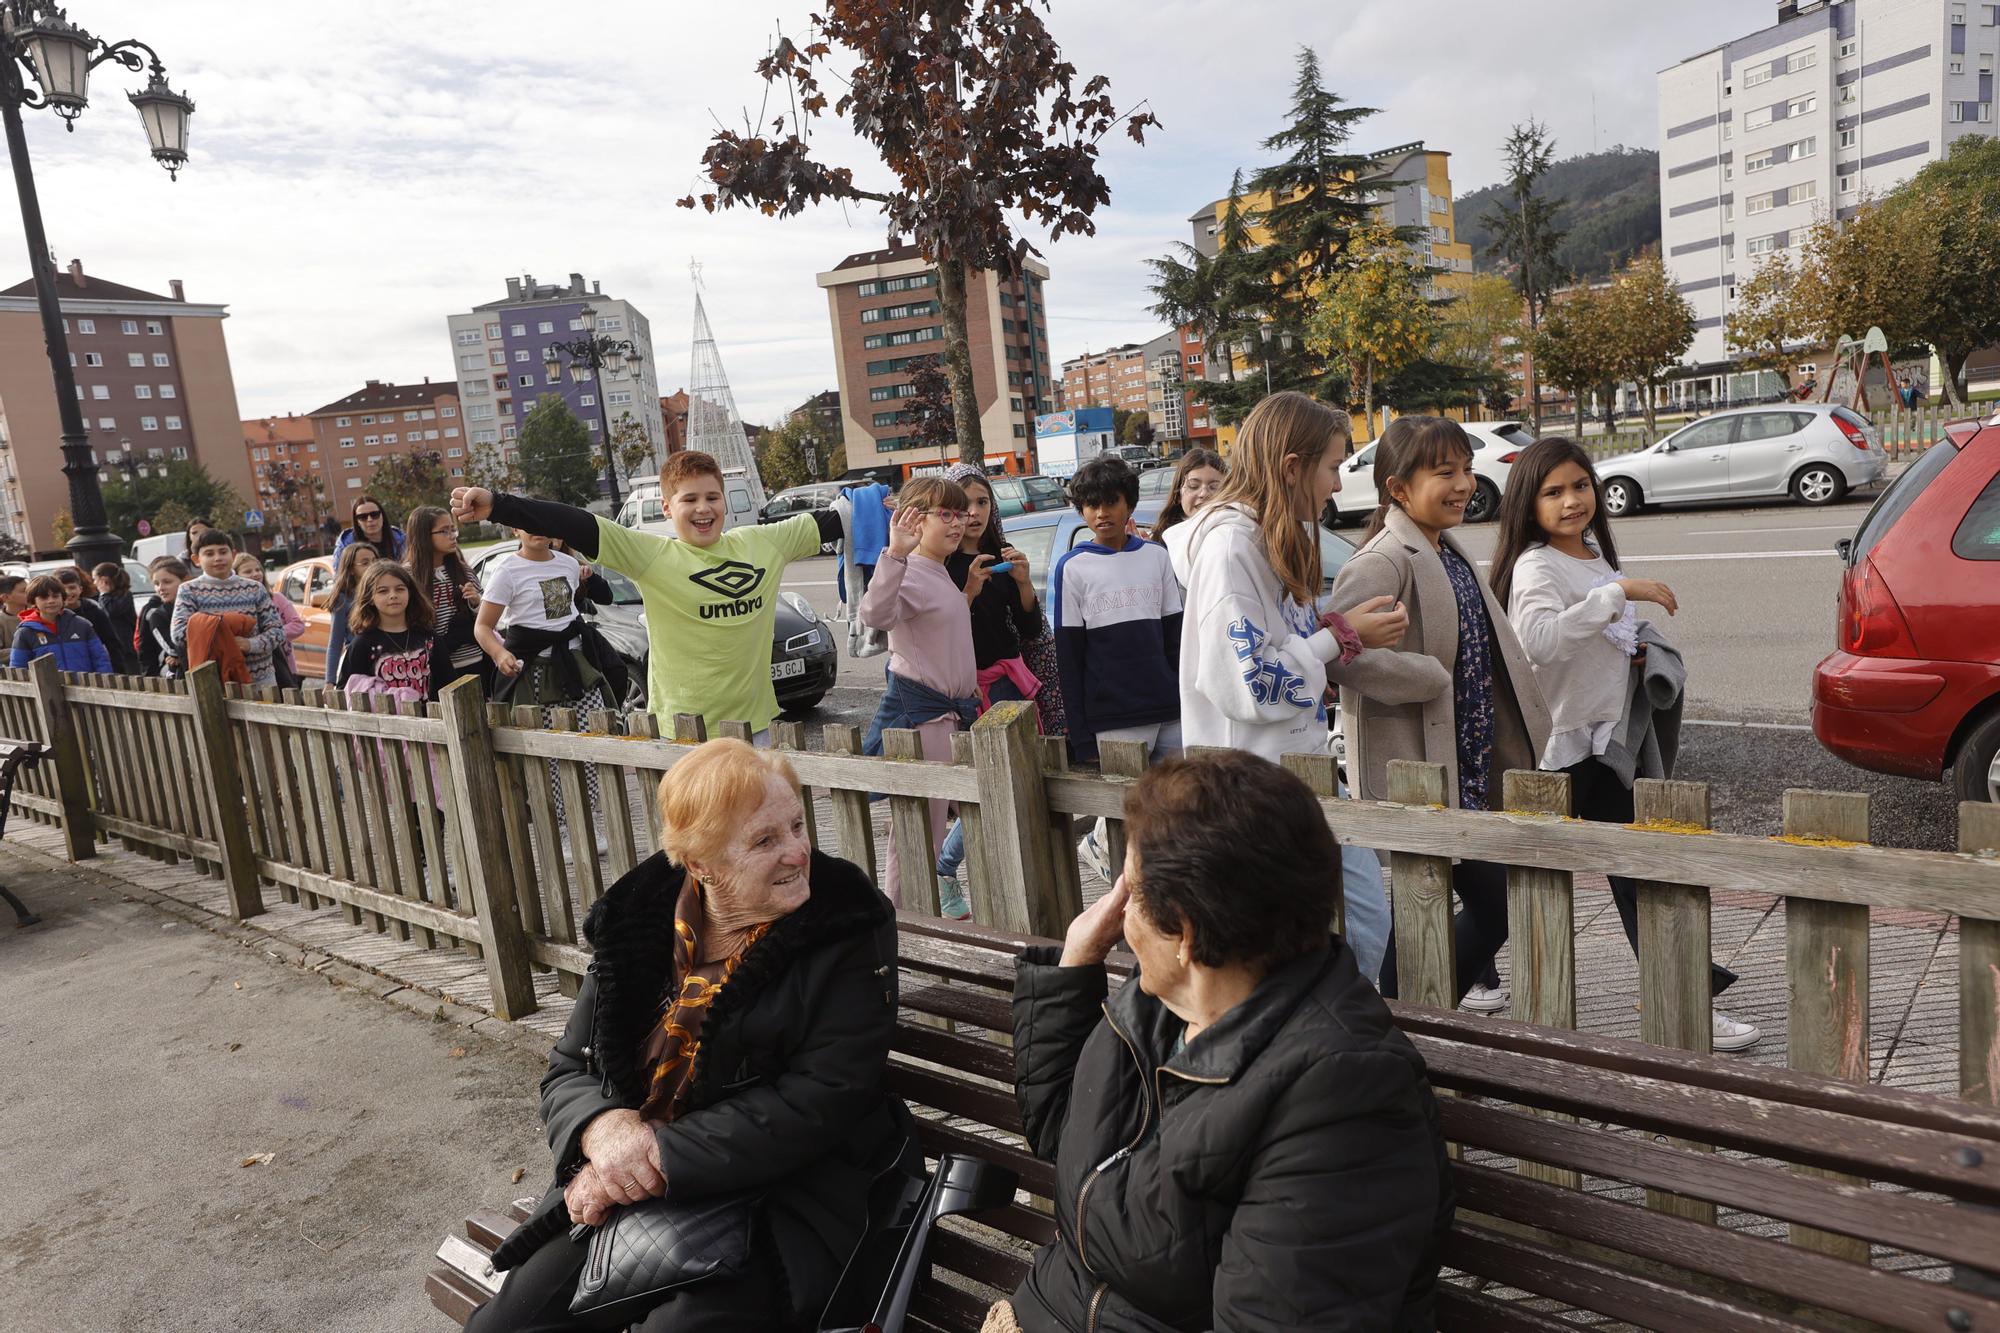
(485, 437)
(618, 398)
(1978, 535)
(546, 326)
(576, 324)
(388, 439)
(1756, 120)
(472, 361)
(518, 330)
(1986, 64)
(371, 439)
(350, 462)
(135, 359)
(479, 412)
(373, 459)
(1848, 48)
(343, 421)
(493, 332)
(1799, 60)
(99, 392)
(1957, 111)
(1847, 185)
(1761, 245)
(142, 391)
(447, 411)
(450, 432)
(174, 423)
(468, 338)
(155, 328)
(1957, 67)
(86, 326)
(587, 400)
(874, 341)
(521, 354)
(475, 388)
(1799, 106)
(167, 391)
(409, 416)
(427, 414)
(107, 423)
(368, 421)
(592, 423)
(93, 358)
(347, 441)
(429, 435)
(524, 381)
(1848, 92)
(509, 433)
(149, 423)
(869, 289)
(611, 324)
(496, 357)
(1757, 161)
(1761, 74)
(160, 359)
(454, 453)
(1848, 138)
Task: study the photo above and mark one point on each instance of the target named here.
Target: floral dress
(1471, 684)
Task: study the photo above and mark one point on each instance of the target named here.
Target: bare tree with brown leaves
(977, 117)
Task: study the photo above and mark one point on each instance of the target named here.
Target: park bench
(1644, 1185)
(14, 757)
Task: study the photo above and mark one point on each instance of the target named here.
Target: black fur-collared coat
(787, 1095)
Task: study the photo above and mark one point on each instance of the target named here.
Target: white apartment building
(1836, 101)
(499, 351)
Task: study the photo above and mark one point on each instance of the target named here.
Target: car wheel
(1976, 774)
(1621, 497)
(1819, 484)
(1485, 500)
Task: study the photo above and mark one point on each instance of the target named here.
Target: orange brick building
(358, 433)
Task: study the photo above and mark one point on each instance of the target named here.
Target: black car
(804, 659)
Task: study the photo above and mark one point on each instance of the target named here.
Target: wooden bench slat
(1916, 1157)
(1927, 1228)
(1792, 1271)
(488, 1229)
(926, 1087)
(947, 1307)
(992, 1012)
(1037, 1176)
(1645, 1301)
(1462, 1310)
(452, 1293)
(988, 1264)
(963, 1053)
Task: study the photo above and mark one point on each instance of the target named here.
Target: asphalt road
(1757, 587)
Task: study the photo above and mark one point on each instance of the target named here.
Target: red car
(1913, 685)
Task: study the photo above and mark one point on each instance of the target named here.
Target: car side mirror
(1844, 548)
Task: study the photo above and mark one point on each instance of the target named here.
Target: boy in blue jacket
(49, 627)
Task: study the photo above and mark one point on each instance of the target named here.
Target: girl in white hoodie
(1257, 654)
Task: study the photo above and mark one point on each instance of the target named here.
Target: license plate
(782, 670)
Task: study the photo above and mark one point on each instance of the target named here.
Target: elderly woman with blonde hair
(729, 1044)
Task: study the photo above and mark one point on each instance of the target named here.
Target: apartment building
(1114, 378)
(152, 376)
(500, 350)
(290, 444)
(1801, 120)
(356, 434)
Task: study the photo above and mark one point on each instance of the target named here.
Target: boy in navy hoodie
(51, 628)
(1117, 613)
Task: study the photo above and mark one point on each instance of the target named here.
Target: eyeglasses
(363, 518)
(949, 515)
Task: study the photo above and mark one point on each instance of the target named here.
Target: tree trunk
(1650, 409)
(1368, 392)
(1581, 410)
(958, 361)
(1954, 366)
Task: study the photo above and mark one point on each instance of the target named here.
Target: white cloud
(361, 171)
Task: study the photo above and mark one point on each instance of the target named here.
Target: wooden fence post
(1541, 926)
(1826, 973)
(1322, 774)
(488, 872)
(66, 755)
(225, 786)
(1019, 883)
(910, 830)
(1426, 952)
(853, 824)
(1979, 971)
(1675, 1008)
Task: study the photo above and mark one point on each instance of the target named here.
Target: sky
(360, 171)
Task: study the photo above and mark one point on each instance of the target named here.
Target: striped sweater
(213, 596)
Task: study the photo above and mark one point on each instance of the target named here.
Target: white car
(1495, 446)
(1814, 452)
(643, 512)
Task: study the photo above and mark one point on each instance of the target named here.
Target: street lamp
(589, 357)
(37, 40)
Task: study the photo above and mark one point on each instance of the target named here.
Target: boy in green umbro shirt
(710, 594)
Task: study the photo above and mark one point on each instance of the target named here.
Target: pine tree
(1525, 234)
(1316, 206)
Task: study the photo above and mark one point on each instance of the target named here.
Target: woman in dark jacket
(1242, 1138)
(732, 1035)
(114, 594)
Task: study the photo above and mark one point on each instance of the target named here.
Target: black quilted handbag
(645, 1250)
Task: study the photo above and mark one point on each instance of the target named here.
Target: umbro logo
(731, 578)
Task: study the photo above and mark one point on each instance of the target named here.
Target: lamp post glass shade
(614, 360)
(165, 114)
(579, 371)
(61, 54)
(554, 368)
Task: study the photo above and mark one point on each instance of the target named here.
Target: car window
(1366, 457)
(1978, 535)
(1802, 420)
(1763, 426)
(1156, 481)
(650, 511)
(1517, 435)
(624, 592)
(322, 578)
(1034, 543)
(1902, 493)
(1709, 434)
(295, 587)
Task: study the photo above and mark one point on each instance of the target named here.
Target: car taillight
(1870, 621)
(1510, 455)
(1855, 435)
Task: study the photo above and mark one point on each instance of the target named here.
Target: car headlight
(800, 605)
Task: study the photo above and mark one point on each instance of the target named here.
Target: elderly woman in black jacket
(1242, 1138)
(732, 1036)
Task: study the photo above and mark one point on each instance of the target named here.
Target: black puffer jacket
(1294, 1179)
(787, 1093)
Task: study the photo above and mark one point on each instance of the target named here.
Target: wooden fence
(445, 824)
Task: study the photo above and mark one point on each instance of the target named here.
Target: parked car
(1814, 452)
(643, 511)
(806, 499)
(300, 583)
(1028, 495)
(803, 656)
(1139, 457)
(1495, 446)
(1913, 684)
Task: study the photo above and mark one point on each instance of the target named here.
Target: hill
(1611, 210)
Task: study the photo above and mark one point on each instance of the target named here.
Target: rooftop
(376, 394)
(288, 429)
(73, 284)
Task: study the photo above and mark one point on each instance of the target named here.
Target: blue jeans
(952, 855)
(1367, 899)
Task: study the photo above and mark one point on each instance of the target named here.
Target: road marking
(1747, 726)
(1625, 559)
(810, 583)
(1739, 532)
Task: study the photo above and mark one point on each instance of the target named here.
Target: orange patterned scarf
(678, 1040)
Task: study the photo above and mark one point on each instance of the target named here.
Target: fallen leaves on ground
(458, 1052)
(519, 1171)
(257, 1159)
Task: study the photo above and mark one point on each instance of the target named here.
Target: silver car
(1814, 452)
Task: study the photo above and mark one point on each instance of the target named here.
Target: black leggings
(1597, 794)
(536, 1296)
(1477, 932)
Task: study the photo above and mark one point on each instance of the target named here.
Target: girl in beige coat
(1490, 719)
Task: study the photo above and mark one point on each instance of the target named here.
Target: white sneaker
(1730, 1034)
(1485, 1000)
(1096, 855)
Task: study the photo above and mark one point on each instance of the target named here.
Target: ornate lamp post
(589, 358)
(39, 43)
